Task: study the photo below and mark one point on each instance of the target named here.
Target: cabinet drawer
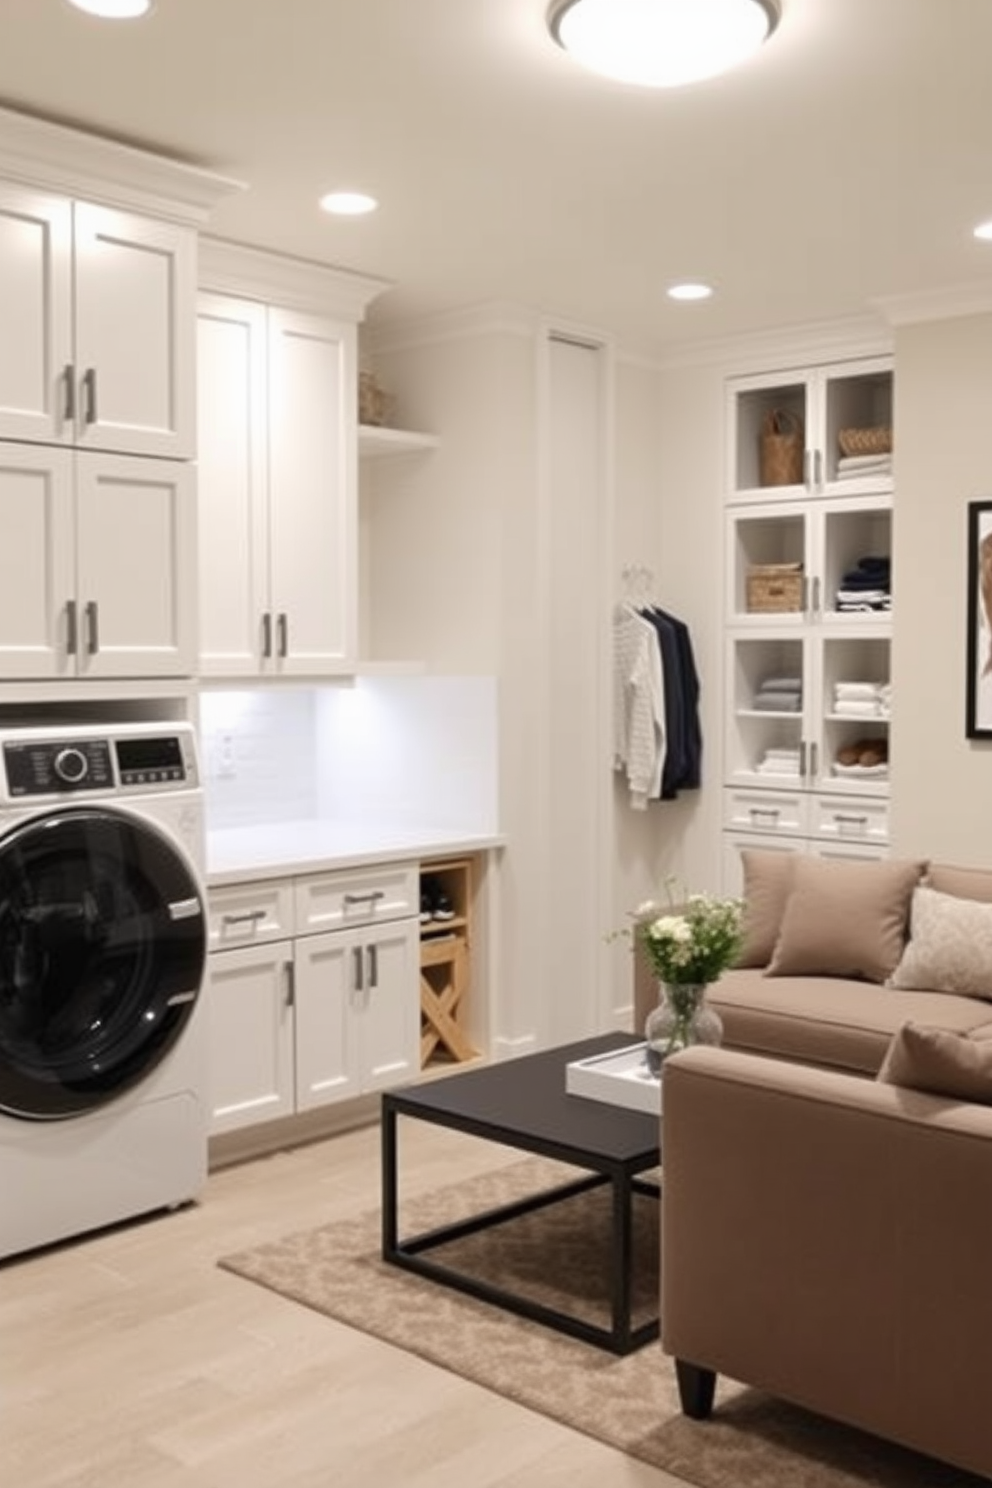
(770, 812)
(850, 819)
(334, 901)
(249, 914)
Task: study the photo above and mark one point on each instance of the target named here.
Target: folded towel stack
(780, 695)
(779, 761)
(867, 586)
(863, 699)
(856, 467)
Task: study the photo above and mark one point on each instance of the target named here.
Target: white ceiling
(848, 162)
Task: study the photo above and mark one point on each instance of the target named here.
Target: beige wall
(941, 781)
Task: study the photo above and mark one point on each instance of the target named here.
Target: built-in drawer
(333, 901)
(850, 819)
(770, 812)
(248, 914)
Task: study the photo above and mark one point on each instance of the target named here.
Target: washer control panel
(45, 767)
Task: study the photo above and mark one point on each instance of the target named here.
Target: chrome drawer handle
(250, 917)
(372, 897)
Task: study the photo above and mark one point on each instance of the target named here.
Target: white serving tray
(620, 1077)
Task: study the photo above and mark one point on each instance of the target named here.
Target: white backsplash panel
(258, 756)
(403, 752)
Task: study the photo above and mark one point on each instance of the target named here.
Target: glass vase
(681, 1018)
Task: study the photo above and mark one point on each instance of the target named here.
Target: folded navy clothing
(874, 565)
(858, 580)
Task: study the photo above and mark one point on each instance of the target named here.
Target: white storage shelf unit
(824, 525)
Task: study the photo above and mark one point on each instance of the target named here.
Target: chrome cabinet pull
(372, 952)
(845, 819)
(250, 917)
(371, 897)
(89, 391)
(71, 628)
(814, 758)
(802, 760)
(816, 594)
(818, 469)
(267, 635)
(769, 814)
(69, 393)
(92, 627)
(290, 972)
(359, 969)
(282, 632)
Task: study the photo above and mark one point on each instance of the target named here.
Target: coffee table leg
(623, 1262)
(389, 1180)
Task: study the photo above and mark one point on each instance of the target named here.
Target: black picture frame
(978, 717)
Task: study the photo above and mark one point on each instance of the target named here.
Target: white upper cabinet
(277, 490)
(97, 309)
(101, 581)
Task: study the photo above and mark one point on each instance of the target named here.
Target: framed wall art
(978, 723)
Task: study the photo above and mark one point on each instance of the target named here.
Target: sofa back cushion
(845, 918)
(950, 946)
(963, 883)
(767, 881)
(940, 1062)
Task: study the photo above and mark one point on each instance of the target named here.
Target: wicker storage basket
(373, 403)
(781, 448)
(876, 441)
(774, 588)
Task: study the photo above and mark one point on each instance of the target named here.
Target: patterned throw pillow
(950, 946)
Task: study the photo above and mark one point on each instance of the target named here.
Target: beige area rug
(558, 1255)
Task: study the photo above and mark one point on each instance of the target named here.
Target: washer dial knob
(71, 766)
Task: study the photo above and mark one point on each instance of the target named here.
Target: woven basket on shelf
(781, 448)
(373, 403)
(877, 441)
(774, 588)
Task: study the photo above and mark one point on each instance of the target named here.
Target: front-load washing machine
(103, 1106)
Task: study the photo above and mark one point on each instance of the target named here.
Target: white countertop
(240, 854)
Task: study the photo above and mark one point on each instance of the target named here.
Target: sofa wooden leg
(696, 1389)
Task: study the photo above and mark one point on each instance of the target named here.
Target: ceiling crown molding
(56, 157)
(295, 283)
(949, 303)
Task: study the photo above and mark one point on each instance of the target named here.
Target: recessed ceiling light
(689, 292)
(348, 203)
(662, 43)
(984, 231)
(114, 10)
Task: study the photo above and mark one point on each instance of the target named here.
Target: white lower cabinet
(301, 1020)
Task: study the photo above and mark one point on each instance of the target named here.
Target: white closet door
(135, 333)
(136, 566)
(35, 314)
(312, 492)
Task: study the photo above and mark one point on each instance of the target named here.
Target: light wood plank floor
(129, 1360)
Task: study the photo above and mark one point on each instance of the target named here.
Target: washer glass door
(102, 954)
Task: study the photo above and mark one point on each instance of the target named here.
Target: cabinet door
(329, 1001)
(312, 492)
(136, 566)
(390, 1023)
(37, 580)
(135, 319)
(251, 1035)
(232, 463)
(35, 315)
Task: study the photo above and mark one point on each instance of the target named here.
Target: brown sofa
(826, 1235)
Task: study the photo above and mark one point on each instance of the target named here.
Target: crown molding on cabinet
(41, 153)
(939, 304)
(294, 283)
(833, 340)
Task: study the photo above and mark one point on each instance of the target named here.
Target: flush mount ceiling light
(984, 231)
(114, 10)
(662, 43)
(348, 203)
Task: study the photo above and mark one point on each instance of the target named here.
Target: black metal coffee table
(523, 1103)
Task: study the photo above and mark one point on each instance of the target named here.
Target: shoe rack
(445, 961)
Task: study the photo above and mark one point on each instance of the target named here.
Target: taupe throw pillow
(845, 918)
(940, 1062)
(767, 881)
(950, 946)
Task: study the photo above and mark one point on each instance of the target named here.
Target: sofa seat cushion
(830, 1021)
